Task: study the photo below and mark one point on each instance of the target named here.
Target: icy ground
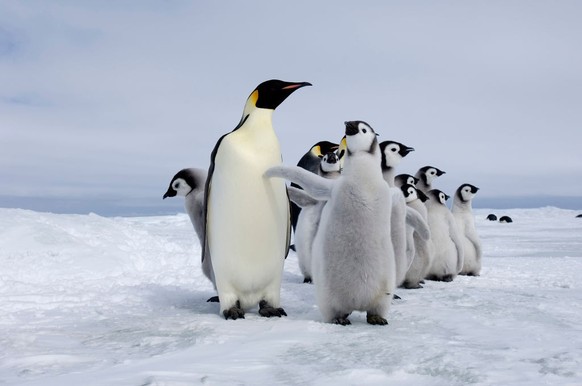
(87, 300)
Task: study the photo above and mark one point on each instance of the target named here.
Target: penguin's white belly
(247, 222)
(445, 253)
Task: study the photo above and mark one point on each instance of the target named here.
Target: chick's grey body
(422, 248)
(448, 246)
(353, 263)
(463, 212)
(189, 183)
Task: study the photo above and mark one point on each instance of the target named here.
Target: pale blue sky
(107, 100)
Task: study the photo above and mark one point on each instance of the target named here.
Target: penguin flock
(360, 229)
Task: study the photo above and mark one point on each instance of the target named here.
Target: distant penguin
(426, 175)
(448, 246)
(247, 223)
(420, 247)
(189, 183)
(353, 265)
(463, 213)
(392, 154)
(492, 217)
(403, 179)
(310, 161)
(505, 219)
(309, 217)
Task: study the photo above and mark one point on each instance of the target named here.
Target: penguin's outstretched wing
(316, 186)
(300, 197)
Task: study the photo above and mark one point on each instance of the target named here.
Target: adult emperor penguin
(426, 176)
(247, 224)
(448, 246)
(463, 212)
(353, 264)
(403, 179)
(420, 247)
(189, 183)
(309, 217)
(311, 161)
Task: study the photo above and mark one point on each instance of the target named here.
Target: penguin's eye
(364, 131)
(393, 150)
(176, 185)
(432, 172)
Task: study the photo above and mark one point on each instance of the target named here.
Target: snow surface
(89, 300)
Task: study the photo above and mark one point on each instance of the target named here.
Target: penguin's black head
(323, 147)
(270, 94)
(466, 192)
(184, 182)
(438, 196)
(404, 178)
(392, 153)
(360, 137)
(407, 190)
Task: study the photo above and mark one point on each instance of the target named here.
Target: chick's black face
(273, 92)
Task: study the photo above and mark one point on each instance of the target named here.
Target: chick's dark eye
(364, 131)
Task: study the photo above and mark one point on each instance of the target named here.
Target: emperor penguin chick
(189, 183)
(353, 262)
(420, 247)
(310, 215)
(247, 223)
(392, 154)
(463, 212)
(426, 175)
(448, 246)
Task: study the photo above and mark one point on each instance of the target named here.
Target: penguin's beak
(295, 86)
(407, 150)
(351, 128)
(440, 173)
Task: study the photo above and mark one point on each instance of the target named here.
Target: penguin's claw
(376, 320)
(342, 321)
(267, 310)
(234, 312)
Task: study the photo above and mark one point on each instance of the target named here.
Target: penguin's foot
(472, 274)
(421, 282)
(409, 285)
(396, 297)
(234, 312)
(434, 278)
(307, 280)
(447, 278)
(376, 320)
(267, 310)
(213, 299)
(342, 320)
